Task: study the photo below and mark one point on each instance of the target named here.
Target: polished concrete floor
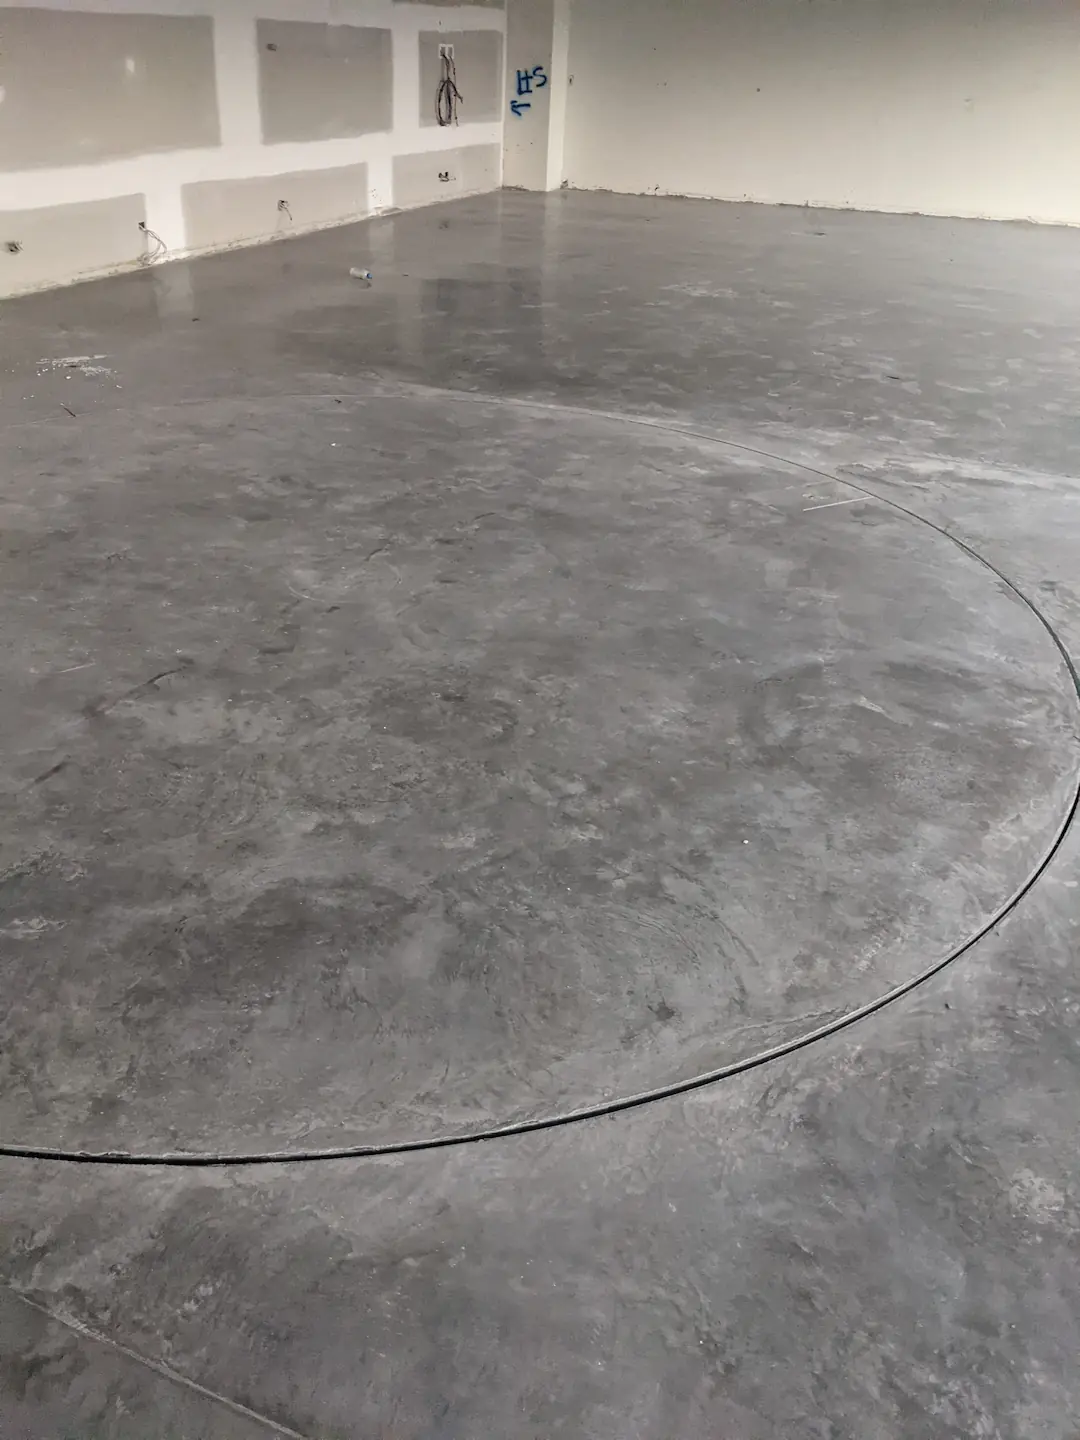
(538, 885)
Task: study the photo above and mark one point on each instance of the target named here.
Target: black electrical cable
(447, 96)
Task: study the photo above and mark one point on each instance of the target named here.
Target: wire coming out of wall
(447, 96)
(160, 250)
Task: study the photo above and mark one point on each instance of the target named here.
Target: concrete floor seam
(184, 1382)
(711, 1077)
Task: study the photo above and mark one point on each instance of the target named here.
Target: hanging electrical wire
(448, 96)
(160, 250)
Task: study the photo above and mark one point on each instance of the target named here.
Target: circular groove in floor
(846, 702)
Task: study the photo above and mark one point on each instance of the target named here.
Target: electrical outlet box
(446, 51)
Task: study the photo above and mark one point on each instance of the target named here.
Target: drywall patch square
(80, 88)
(472, 170)
(480, 168)
(323, 82)
(67, 242)
(478, 56)
(227, 212)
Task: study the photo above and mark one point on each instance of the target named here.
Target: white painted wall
(242, 154)
(537, 35)
(943, 107)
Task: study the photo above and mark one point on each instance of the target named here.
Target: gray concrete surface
(408, 728)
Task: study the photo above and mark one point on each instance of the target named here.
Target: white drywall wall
(537, 44)
(944, 107)
(242, 153)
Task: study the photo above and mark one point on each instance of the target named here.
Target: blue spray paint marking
(526, 81)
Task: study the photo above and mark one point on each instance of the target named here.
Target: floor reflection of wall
(488, 318)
